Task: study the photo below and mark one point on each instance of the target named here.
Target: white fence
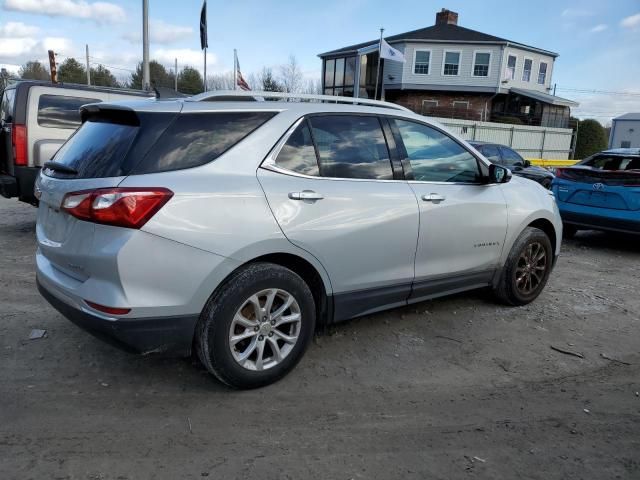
(530, 142)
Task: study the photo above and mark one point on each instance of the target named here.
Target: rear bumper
(168, 336)
(616, 221)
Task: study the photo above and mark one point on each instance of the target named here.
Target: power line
(598, 92)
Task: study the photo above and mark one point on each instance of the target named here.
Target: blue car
(601, 192)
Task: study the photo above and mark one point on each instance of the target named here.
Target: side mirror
(527, 164)
(498, 174)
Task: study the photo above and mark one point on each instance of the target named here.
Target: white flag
(390, 53)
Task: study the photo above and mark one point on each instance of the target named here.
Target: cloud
(161, 32)
(599, 28)
(632, 21)
(17, 30)
(577, 12)
(100, 12)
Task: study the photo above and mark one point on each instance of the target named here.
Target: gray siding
(625, 130)
(520, 56)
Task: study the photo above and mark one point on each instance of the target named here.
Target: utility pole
(88, 68)
(176, 77)
(146, 81)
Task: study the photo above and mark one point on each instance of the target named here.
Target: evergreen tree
(158, 76)
(591, 138)
(190, 81)
(101, 76)
(72, 71)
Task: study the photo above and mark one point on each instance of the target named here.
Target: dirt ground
(454, 388)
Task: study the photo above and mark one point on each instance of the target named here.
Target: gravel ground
(458, 387)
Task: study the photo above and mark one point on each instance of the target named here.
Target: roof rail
(234, 95)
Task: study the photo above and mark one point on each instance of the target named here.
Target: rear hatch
(99, 155)
(613, 189)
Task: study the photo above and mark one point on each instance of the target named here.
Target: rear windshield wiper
(60, 167)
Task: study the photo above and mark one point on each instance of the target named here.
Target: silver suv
(236, 227)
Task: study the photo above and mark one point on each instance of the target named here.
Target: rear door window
(194, 139)
(298, 154)
(58, 111)
(436, 157)
(351, 146)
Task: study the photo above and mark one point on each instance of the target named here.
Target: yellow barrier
(545, 162)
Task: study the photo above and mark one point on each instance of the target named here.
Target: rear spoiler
(110, 113)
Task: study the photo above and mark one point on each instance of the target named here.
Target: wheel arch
(547, 227)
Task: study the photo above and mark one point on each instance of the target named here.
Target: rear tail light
(19, 143)
(109, 310)
(120, 207)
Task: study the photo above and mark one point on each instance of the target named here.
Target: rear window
(194, 139)
(96, 150)
(613, 162)
(57, 111)
(111, 146)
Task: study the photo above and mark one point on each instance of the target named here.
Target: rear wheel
(256, 328)
(527, 268)
(546, 183)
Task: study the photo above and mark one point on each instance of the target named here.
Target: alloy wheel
(531, 268)
(265, 329)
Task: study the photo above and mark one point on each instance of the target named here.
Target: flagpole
(205, 69)
(235, 69)
(375, 95)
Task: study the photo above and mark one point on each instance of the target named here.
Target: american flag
(242, 83)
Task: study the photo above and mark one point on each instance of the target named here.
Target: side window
(491, 153)
(435, 157)
(57, 111)
(298, 154)
(351, 146)
(510, 157)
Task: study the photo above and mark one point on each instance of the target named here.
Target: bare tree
(291, 77)
(220, 81)
(312, 86)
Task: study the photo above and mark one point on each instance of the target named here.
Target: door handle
(433, 197)
(305, 195)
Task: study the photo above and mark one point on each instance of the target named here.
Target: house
(625, 131)
(452, 71)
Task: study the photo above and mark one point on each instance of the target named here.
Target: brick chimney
(446, 17)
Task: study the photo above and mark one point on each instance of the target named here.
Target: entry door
(346, 210)
(463, 222)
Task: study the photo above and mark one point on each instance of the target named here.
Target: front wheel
(257, 327)
(527, 268)
(546, 183)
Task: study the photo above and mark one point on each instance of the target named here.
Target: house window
(511, 67)
(451, 64)
(542, 73)
(339, 75)
(463, 105)
(421, 62)
(526, 70)
(428, 106)
(481, 64)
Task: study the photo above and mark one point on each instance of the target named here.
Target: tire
(510, 289)
(230, 314)
(546, 183)
(568, 231)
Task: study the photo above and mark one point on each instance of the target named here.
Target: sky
(598, 41)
